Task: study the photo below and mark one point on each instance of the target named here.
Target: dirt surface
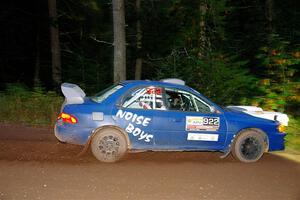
(33, 165)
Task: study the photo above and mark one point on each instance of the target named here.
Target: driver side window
(179, 100)
(202, 107)
(185, 101)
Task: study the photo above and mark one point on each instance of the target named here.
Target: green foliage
(220, 77)
(198, 54)
(293, 135)
(88, 73)
(35, 107)
(86, 37)
(279, 84)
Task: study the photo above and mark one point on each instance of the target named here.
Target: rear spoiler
(73, 93)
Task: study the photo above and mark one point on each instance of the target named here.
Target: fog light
(281, 128)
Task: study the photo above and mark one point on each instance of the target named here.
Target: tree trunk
(202, 35)
(269, 25)
(203, 40)
(139, 59)
(55, 48)
(119, 40)
(36, 80)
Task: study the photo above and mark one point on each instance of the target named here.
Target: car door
(135, 115)
(189, 123)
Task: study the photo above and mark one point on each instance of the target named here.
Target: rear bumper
(71, 134)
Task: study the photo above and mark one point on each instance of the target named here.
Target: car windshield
(101, 96)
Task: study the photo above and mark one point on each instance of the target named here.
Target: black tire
(249, 146)
(109, 145)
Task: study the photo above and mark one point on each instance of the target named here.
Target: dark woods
(244, 52)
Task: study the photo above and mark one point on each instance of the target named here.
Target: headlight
(281, 128)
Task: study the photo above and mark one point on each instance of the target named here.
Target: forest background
(235, 52)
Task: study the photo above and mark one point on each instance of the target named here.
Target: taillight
(67, 118)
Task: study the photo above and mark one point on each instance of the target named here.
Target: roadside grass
(35, 107)
(292, 140)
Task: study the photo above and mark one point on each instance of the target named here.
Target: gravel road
(33, 165)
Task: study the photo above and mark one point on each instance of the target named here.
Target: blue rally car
(161, 115)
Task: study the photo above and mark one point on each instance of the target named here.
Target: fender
(99, 129)
(266, 139)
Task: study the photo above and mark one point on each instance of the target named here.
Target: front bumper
(276, 142)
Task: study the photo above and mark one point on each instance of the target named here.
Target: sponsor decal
(134, 120)
(202, 123)
(153, 90)
(203, 137)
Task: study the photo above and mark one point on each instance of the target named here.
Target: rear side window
(145, 98)
(104, 94)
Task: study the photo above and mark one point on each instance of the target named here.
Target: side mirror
(214, 110)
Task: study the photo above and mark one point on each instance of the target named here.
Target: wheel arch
(265, 136)
(95, 131)
(101, 128)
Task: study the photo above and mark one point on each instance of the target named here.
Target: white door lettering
(143, 135)
(138, 120)
(148, 138)
(136, 132)
(120, 114)
(128, 116)
(129, 128)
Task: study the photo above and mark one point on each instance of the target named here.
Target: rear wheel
(249, 146)
(109, 145)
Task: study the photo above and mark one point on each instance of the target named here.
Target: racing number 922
(214, 121)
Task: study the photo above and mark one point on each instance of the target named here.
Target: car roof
(154, 83)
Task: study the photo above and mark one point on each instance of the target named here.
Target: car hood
(236, 115)
(260, 113)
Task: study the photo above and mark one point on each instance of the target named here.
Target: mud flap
(226, 153)
(85, 149)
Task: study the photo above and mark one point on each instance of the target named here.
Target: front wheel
(249, 146)
(109, 145)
